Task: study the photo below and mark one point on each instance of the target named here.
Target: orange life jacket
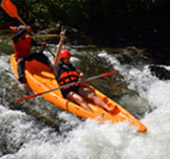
(66, 74)
(23, 47)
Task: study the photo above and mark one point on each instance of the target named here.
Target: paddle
(69, 84)
(12, 11)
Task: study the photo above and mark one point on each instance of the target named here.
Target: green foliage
(106, 20)
(80, 13)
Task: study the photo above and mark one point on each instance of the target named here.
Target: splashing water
(22, 136)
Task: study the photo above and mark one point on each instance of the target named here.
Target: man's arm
(20, 32)
(62, 37)
(81, 74)
(18, 35)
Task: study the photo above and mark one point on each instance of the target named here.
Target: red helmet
(65, 54)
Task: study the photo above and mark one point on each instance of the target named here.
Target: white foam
(159, 95)
(4, 62)
(91, 140)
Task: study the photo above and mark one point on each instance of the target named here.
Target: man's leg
(21, 69)
(41, 58)
(90, 95)
(74, 97)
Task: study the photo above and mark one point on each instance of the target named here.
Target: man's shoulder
(28, 37)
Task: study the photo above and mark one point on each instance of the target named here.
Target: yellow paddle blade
(10, 8)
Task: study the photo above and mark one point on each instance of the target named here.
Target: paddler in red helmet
(22, 43)
(66, 73)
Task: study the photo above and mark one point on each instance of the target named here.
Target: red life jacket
(23, 47)
(66, 74)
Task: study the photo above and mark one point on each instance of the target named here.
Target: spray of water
(22, 136)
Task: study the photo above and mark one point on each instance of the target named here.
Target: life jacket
(23, 47)
(66, 74)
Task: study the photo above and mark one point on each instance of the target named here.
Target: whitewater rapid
(23, 137)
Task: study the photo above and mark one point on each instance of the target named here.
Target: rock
(160, 72)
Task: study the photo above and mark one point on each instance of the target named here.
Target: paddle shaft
(66, 85)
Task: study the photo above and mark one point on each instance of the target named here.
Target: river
(36, 129)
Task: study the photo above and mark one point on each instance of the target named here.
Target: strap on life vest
(67, 74)
(68, 77)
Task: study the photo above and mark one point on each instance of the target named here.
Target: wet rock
(160, 72)
(73, 36)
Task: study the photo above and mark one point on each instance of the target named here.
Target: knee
(92, 96)
(81, 101)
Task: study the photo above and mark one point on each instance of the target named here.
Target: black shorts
(70, 89)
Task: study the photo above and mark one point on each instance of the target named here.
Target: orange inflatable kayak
(40, 78)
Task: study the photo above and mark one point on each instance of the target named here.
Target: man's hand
(62, 34)
(81, 75)
(28, 29)
(43, 44)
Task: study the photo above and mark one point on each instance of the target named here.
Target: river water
(36, 129)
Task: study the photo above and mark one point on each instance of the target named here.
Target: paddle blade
(10, 8)
(27, 97)
(109, 73)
